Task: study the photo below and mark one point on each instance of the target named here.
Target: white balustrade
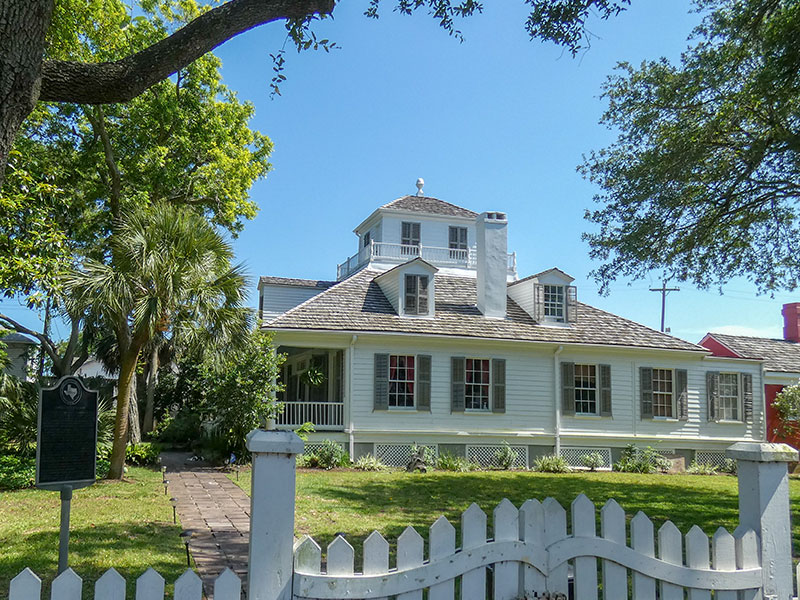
(324, 415)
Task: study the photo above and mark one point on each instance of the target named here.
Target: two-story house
(429, 337)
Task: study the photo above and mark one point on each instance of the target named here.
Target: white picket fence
(530, 552)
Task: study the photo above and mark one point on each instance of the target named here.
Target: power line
(664, 289)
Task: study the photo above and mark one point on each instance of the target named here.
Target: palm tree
(169, 274)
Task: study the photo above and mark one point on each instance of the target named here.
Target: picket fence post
(272, 513)
(764, 507)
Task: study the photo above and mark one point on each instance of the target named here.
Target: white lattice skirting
(311, 447)
(486, 456)
(574, 456)
(398, 455)
(710, 457)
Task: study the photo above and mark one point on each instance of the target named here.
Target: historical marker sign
(67, 442)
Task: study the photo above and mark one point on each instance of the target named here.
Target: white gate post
(269, 573)
(764, 507)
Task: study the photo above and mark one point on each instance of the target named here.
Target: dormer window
(367, 239)
(409, 239)
(554, 302)
(416, 295)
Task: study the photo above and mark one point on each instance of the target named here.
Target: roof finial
(420, 184)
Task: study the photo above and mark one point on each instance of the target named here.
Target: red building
(781, 361)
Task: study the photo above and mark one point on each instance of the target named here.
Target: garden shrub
(728, 466)
(427, 454)
(142, 454)
(17, 472)
(593, 461)
(505, 457)
(452, 462)
(641, 460)
(697, 468)
(181, 430)
(551, 464)
(369, 463)
(328, 455)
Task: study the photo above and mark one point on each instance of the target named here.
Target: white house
(429, 337)
(21, 352)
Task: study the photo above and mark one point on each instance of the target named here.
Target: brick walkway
(217, 512)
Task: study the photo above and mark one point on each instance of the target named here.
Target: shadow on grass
(129, 547)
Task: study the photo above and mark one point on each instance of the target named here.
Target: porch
(314, 388)
(398, 253)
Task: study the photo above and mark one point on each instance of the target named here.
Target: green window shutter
(605, 390)
(567, 388)
(457, 378)
(682, 389)
(381, 401)
(423, 399)
(571, 301)
(747, 397)
(646, 389)
(498, 385)
(712, 393)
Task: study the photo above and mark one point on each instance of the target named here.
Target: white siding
(522, 294)
(432, 232)
(280, 298)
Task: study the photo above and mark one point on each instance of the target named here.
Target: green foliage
(697, 468)
(142, 454)
(729, 466)
(592, 461)
(447, 461)
(505, 457)
(17, 472)
(787, 409)
(19, 410)
(641, 460)
(181, 430)
(329, 455)
(314, 376)
(703, 179)
(369, 463)
(424, 453)
(304, 429)
(551, 464)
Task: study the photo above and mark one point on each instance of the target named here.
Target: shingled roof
(294, 282)
(358, 304)
(431, 206)
(777, 354)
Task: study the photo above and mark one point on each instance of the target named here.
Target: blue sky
(496, 123)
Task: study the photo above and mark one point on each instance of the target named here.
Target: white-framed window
(458, 242)
(409, 238)
(729, 397)
(663, 393)
(416, 295)
(554, 302)
(402, 380)
(586, 389)
(477, 384)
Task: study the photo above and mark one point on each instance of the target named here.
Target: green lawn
(358, 503)
(127, 525)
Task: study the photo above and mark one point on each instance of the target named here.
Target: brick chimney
(791, 322)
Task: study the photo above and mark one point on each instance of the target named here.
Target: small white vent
(486, 456)
(574, 456)
(398, 455)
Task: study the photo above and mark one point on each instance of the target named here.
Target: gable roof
(777, 354)
(539, 274)
(290, 281)
(358, 304)
(428, 205)
(18, 338)
(408, 263)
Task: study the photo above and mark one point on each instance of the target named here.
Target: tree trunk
(134, 427)
(23, 24)
(152, 382)
(127, 374)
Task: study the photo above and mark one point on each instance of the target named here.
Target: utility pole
(664, 289)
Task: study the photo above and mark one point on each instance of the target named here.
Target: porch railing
(326, 416)
(441, 257)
